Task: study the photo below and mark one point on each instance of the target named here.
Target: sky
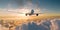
(42, 6)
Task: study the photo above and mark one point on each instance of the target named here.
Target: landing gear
(36, 14)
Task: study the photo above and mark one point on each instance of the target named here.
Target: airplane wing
(38, 13)
(16, 12)
(34, 13)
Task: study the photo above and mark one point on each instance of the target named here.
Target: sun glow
(24, 10)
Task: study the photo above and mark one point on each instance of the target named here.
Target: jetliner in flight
(31, 13)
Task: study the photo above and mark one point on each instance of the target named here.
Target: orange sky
(18, 17)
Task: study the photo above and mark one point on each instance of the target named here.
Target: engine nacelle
(37, 14)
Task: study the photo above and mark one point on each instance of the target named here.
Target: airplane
(32, 13)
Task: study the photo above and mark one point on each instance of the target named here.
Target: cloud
(27, 4)
(23, 6)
